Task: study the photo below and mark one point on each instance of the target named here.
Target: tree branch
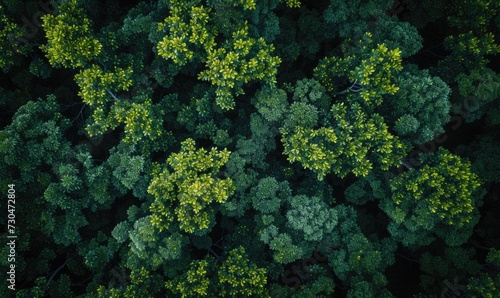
(56, 271)
(111, 93)
(355, 87)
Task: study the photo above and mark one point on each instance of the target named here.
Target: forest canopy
(250, 148)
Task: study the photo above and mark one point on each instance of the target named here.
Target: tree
(189, 189)
(239, 61)
(352, 137)
(453, 264)
(369, 69)
(10, 35)
(194, 282)
(488, 282)
(396, 34)
(185, 39)
(312, 217)
(440, 198)
(355, 259)
(69, 37)
(351, 19)
(238, 276)
(419, 110)
(271, 102)
(477, 92)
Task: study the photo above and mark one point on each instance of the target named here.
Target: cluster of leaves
(353, 144)
(369, 68)
(70, 41)
(440, 197)
(235, 276)
(189, 188)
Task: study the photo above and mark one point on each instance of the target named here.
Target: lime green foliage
(440, 194)
(183, 38)
(467, 43)
(292, 3)
(189, 188)
(239, 276)
(70, 41)
(141, 118)
(468, 47)
(142, 284)
(10, 43)
(434, 183)
(377, 71)
(480, 13)
(181, 153)
(353, 144)
(96, 84)
(370, 69)
(487, 285)
(240, 60)
(466, 67)
(472, 40)
(195, 282)
(300, 147)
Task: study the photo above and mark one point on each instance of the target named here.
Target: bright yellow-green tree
(239, 61)
(70, 40)
(441, 198)
(367, 71)
(187, 192)
(354, 143)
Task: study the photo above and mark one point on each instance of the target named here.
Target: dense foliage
(248, 148)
